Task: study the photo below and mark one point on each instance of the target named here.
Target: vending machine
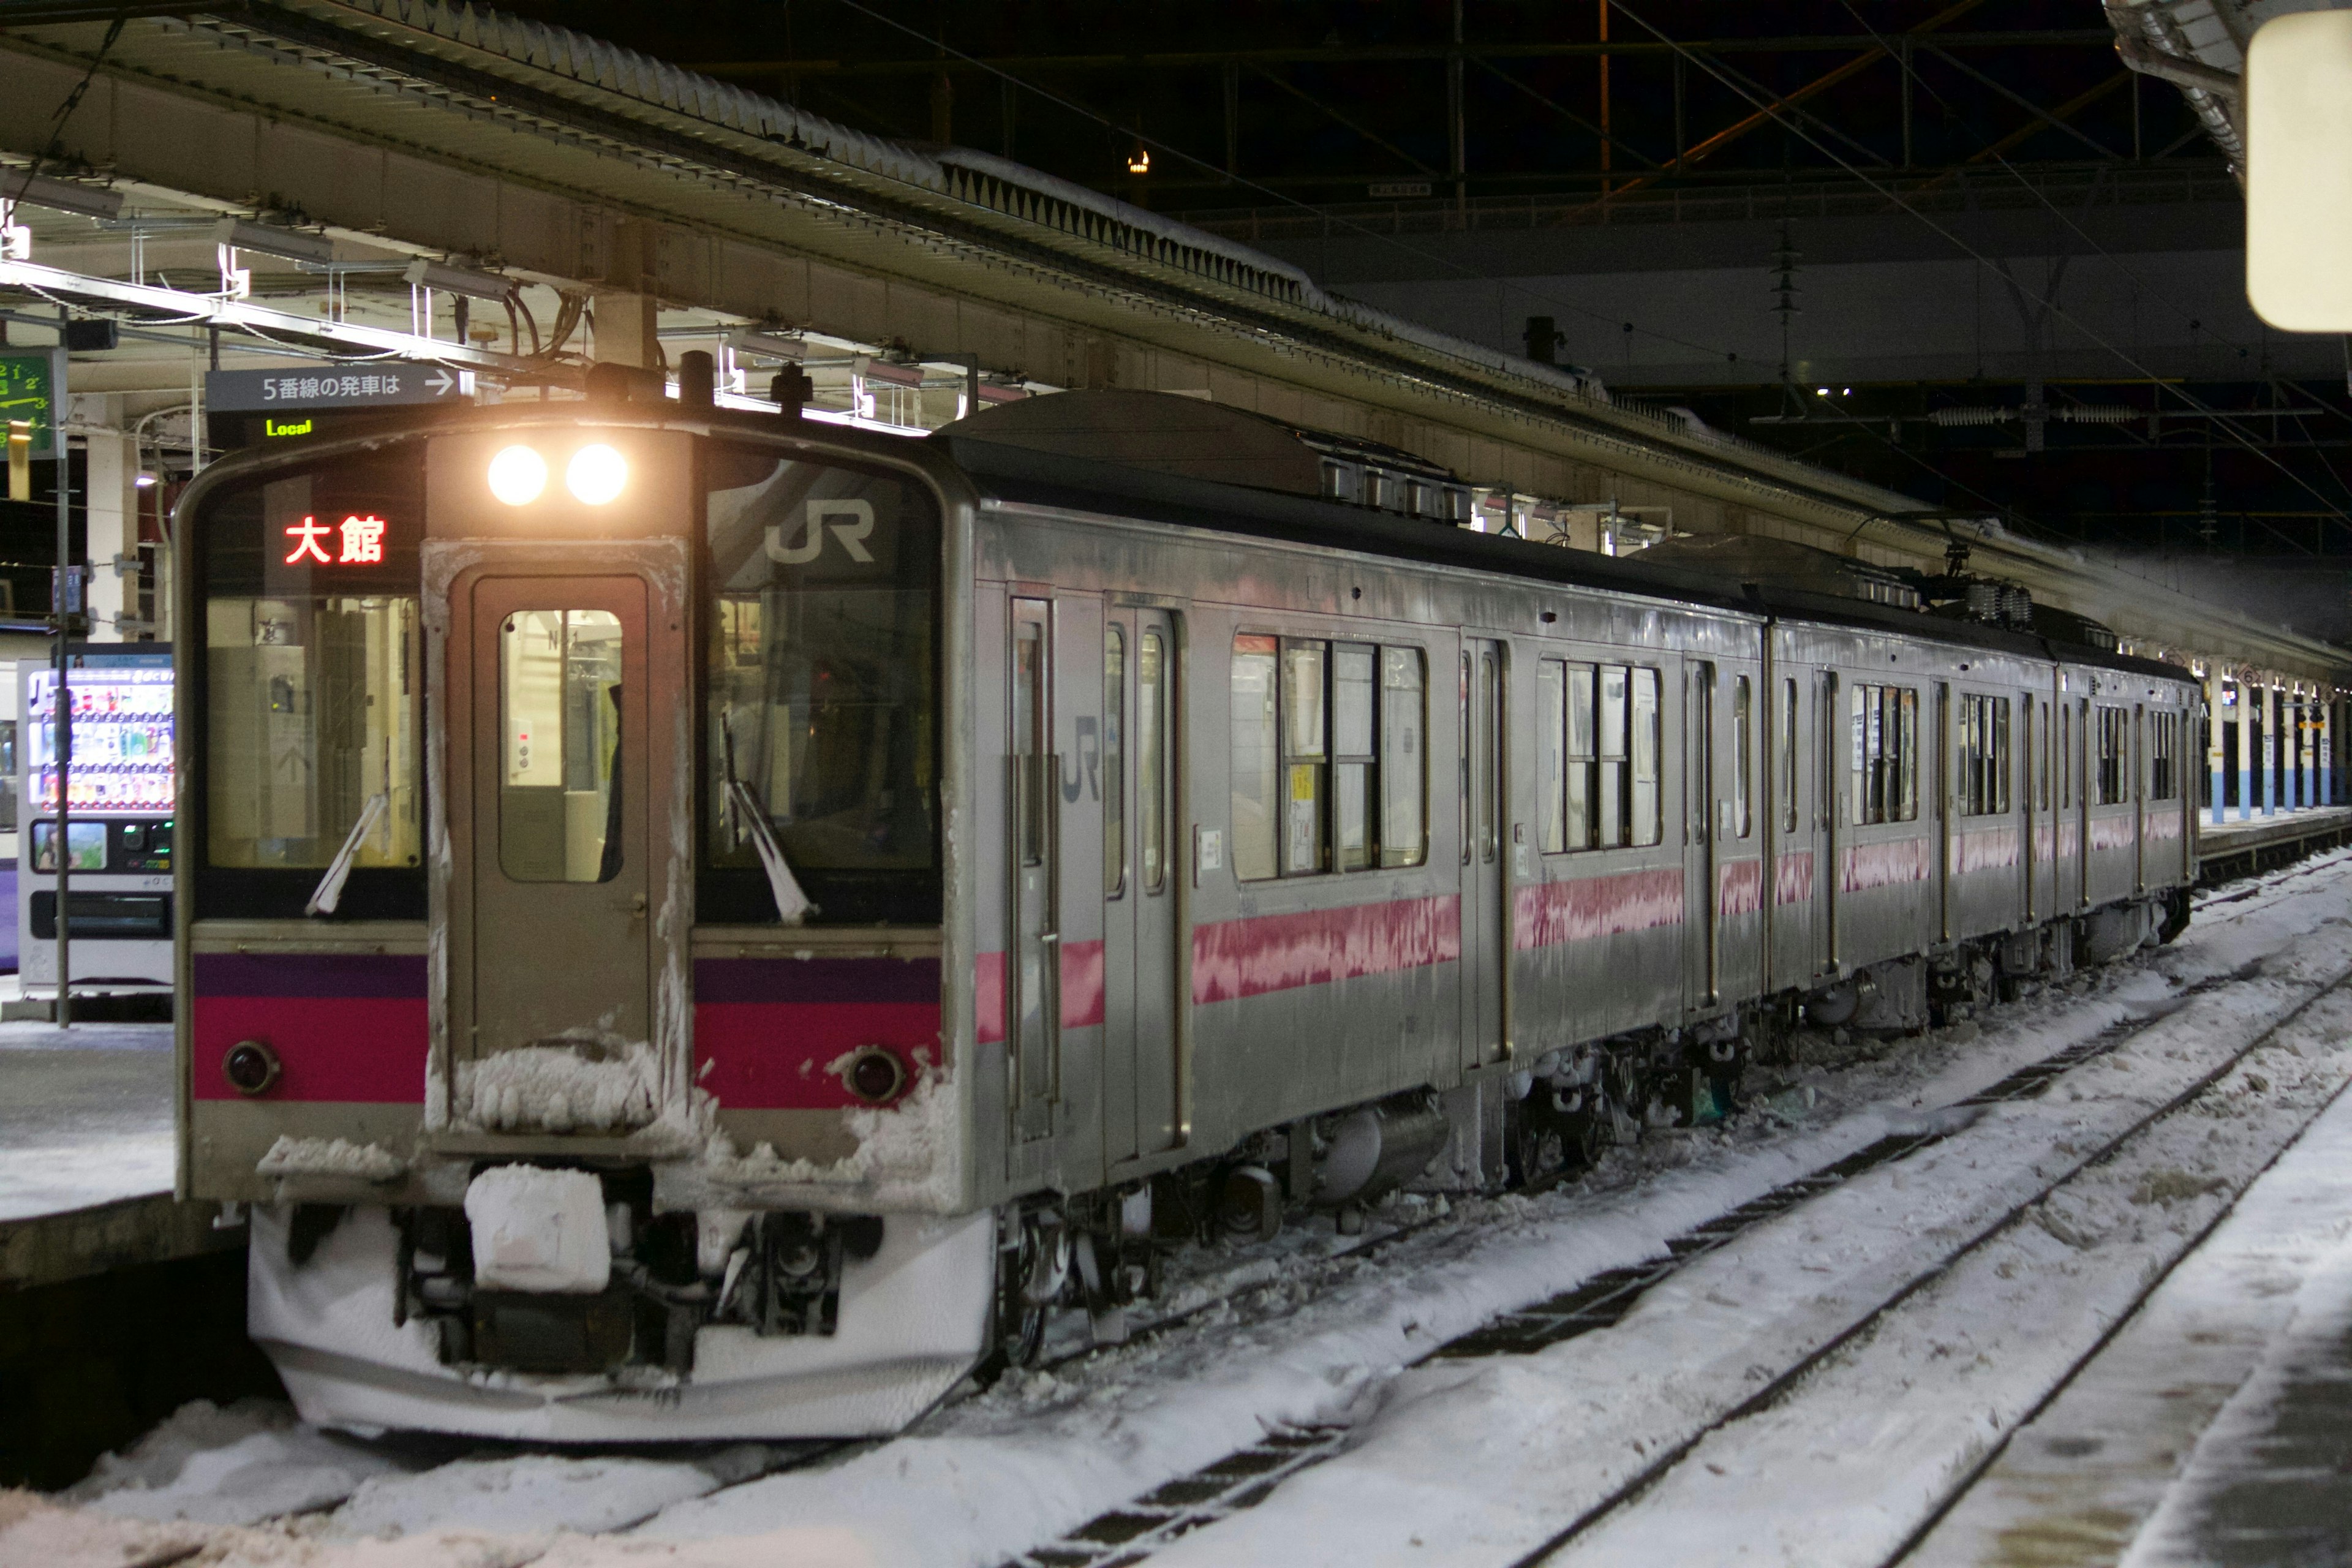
(119, 802)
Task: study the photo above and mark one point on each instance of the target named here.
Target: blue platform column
(2274, 748)
(2214, 687)
(2327, 748)
(2305, 775)
(2309, 730)
(2247, 732)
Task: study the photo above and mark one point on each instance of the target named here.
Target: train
(697, 922)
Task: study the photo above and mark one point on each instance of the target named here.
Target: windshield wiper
(330, 891)
(748, 813)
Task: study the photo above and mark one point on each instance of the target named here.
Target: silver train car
(700, 924)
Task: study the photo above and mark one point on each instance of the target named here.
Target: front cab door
(560, 791)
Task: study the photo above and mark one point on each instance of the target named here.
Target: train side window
(2038, 737)
(1404, 758)
(1611, 796)
(2164, 757)
(1583, 760)
(1306, 758)
(1351, 754)
(1029, 738)
(9, 775)
(1151, 710)
(1114, 760)
(1983, 755)
(560, 692)
(1742, 755)
(2113, 741)
(1869, 799)
(1461, 758)
(1906, 755)
(1257, 756)
(1885, 753)
(1551, 754)
(1787, 730)
(2065, 755)
(310, 711)
(1648, 826)
(1486, 802)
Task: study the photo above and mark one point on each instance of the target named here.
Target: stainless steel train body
(1168, 841)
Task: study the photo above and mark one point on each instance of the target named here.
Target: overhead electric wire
(1330, 218)
(2220, 417)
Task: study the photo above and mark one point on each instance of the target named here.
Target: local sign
(28, 393)
(381, 386)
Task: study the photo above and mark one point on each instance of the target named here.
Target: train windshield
(822, 688)
(311, 668)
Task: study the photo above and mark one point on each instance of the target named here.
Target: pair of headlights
(595, 476)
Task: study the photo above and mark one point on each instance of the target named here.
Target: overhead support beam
(1374, 53)
(1375, 138)
(1561, 109)
(1456, 134)
(59, 195)
(2074, 105)
(2180, 70)
(2053, 121)
(237, 315)
(1771, 112)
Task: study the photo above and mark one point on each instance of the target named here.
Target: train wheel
(1032, 1269)
(1586, 1132)
(1532, 1145)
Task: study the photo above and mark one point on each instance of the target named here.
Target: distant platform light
(1140, 161)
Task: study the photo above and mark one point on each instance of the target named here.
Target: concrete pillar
(113, 522)
(2213, 756)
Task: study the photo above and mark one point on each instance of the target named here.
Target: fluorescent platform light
(2298, 130)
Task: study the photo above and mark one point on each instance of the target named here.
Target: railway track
(1237, 1482)
(1241, 1481)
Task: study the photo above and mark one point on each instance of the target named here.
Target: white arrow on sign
(440, 381)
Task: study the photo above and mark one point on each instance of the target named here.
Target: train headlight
(250, 1067)
(876, 1075)
(596, 474)
(518, 476)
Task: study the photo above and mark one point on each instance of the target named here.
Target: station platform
(2215, 1426)
(86, 1154)
(2240, 848)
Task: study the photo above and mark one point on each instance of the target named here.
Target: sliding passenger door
(1032, 990)
(1702, 955)
(1141, 928)
(1485, 870)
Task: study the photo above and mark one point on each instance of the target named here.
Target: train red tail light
(250, 1067)
(876, 1075)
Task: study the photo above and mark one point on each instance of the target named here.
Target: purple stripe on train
(816, 980)
(309, 974)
